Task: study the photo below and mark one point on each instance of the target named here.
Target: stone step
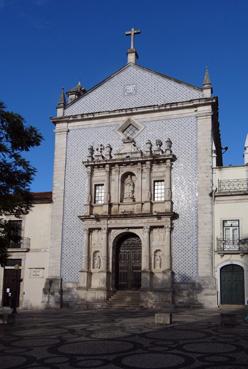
(125, 299)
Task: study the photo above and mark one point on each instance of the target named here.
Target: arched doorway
(128, 262)
(232, 284)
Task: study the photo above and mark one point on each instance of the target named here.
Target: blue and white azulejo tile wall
(183, 133)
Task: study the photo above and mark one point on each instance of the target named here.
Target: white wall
(34, 270)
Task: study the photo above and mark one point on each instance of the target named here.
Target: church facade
(132, 178)
(141, 202)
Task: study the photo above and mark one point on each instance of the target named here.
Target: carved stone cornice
(137, 110)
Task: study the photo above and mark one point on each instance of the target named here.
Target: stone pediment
(102, 155)
(133, 86)
(128, 150)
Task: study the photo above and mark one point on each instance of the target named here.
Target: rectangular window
(99, 194)
(231, 234)
(14, 233)
(158, 191)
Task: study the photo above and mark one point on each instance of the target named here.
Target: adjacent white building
(231, 232)
(27, 266)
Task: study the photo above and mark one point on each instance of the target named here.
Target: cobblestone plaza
(127, 339)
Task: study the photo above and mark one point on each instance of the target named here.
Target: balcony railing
(23, 243)
(232, 246)
(233, 185)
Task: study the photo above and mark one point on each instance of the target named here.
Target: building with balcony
(230, 224)
(24, 276)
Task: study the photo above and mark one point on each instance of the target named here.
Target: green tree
(16, 173)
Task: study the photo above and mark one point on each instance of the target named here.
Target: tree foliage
(16, 173)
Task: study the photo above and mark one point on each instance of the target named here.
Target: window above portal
(158, 190)
(130, 128)
(99, 194)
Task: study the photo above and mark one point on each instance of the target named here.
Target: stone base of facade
(53, 293)
(74, 295)
(93, 297)
(161, 299)
(201, 293)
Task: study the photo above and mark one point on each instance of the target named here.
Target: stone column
(138, 190)
(205, 211)
(168, 167)
(147, 188)
(104, 249)
(107, 168)
(115, 189)
(107, 191)
(89, 186)
(146, 262)
(167, 262)
(84, 273)
(207, 291)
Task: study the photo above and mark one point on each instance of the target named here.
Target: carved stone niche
(96, 261)
(128, 187)
(157, 260)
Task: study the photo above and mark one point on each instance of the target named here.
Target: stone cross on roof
(132, 33)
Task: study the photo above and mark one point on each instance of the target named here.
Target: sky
(49, 44)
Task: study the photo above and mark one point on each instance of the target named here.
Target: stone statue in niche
(157, 260)
(97, 262)
(128, 193)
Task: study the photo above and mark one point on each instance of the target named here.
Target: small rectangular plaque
(36, 273)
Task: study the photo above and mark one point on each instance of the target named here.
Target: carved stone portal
(128, 211)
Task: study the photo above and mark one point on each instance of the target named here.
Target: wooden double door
(232, 285)
(11, 287)
(128, 268)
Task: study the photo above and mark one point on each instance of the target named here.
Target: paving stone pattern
(123, 339)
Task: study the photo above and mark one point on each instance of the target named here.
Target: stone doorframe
(115, 254)
(144, 236)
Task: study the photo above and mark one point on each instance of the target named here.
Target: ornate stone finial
(132, 54)
(108, 151)
(99, 152)
(148, 150)
(101, 148)
(62, 101)
(159, 145)
(168, 145)
(90, 156)
(61, 104)
(206, 80)
(207, 85)
(75, 92)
